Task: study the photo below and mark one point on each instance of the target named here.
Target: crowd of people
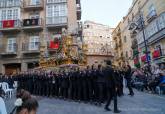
(143, 79)
(93, 84)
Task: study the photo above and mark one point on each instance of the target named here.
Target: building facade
(119, 59)
(145, 20)
(99, 41)
(26, 25)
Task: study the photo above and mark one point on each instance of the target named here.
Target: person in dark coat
(111, 86)
(128, 76)
(100, 84)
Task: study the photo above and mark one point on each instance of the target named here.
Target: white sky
(108, 12)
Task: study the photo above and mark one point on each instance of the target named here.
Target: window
(9, 3)
(132, 16)
(161, 22)
(15, 14)
(126, 54)
(151, 11)
(125, 39)
(2, 3)
(35, 2)
(8, 14)
(151, 8)
(11, 46)
(128, 20)
(34, 43)
(56, 10)
(3, 16)
(35, 16)
(56, 14)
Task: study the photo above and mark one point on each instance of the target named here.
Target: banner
(54, 45)
(8, 23)
(143, 58)
(156, 54)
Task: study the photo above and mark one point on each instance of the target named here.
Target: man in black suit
(128, 77)
(100, 84)
(111, 86)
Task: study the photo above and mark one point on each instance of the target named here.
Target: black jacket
(110, 77)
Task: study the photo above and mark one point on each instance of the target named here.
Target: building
(147, 16)
(26, 25)
(153, 13)
(99, 41)
(119, 59)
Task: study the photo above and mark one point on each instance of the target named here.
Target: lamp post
(142, 27)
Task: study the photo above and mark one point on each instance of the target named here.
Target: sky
(108, 12)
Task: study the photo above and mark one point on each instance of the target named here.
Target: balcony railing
(152, 15)
(56, 21)
(32, 23)
(10, 25)
(56, 1)
(8, 49)
(33, 5)
(31, 47)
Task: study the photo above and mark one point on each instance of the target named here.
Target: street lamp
(142, 23)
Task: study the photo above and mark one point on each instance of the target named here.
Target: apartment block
(26, 25)
(147, 16)
(99, 40)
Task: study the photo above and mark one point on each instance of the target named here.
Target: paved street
(141, 103)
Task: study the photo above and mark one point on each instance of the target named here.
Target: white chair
(7, 90)
(2, 107)
(15, 85)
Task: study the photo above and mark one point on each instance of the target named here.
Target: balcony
(32, 24)
(55, 22)
(134, 44)
(8, 49)
(80, 26)
(78, 12)
(10, 25)
(28, 5)
(31, 48)
(151, 16)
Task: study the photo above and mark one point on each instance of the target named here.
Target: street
(141, 103)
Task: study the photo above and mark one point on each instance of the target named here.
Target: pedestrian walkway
(141, 103)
